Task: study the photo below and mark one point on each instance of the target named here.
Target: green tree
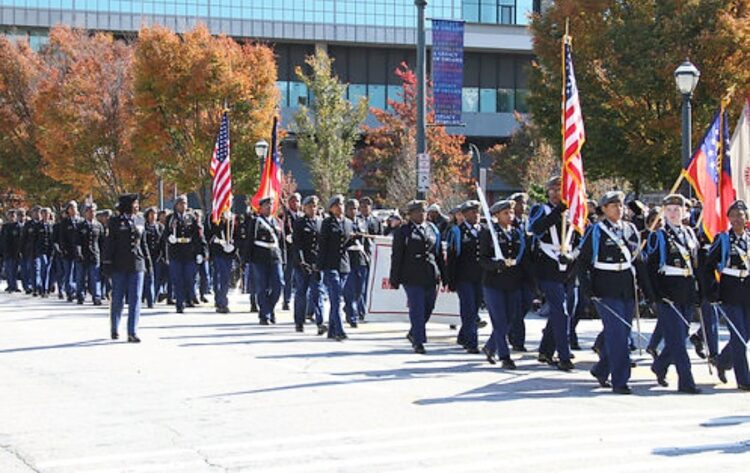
(625, 54)
(328, 130)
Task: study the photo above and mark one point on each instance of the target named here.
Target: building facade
(367, 38)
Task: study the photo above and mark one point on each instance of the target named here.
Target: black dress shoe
(743, 387)
(203, 299)
(623, 390)
(299, 328)
(273, 318)
(189, 304)
(180, 310)
(195, 302)
(161, 298)
(653, 352)
(544, 358)
(722, 374)
(170, 301)
(565, 365)
(472, 350)
(490, 356)
(602, 381)
(575, 346)
(661, 378)
(99, 302)
(353, 324)
(253, 308)
(322, 329)
(698, 345)
(133, 339)
(80, 302)
(507, 364)
(419, 349)
(692, 390)
(309, 317)
(115, 336)
(264, 321)
(520, 348)
(59, 296)
(285, 306)
(410, 338)
(482, 324)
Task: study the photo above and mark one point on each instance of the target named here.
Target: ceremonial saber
(731, 324)
(599, 301)
(493, 233)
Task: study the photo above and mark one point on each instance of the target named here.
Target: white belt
(625, 265)
(265, 244)
(554, 253)
(734, 272)
(357, 247)
(183, 240)
(668, 270)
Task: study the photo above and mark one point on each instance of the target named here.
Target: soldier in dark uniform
(333, 260)
(154, 237)
(57, 268)
(28, 249)
(672, 257)
(11, 234)
(609, 261)
(126, 260)
(502, 278)
(555, 272)
(359, 261)
(373, 226)
(517, 328)
(265, 250)
(89, 241)
(185, 249)
(417, 263)
(729, 256)
(103, 217)
(43, 252)
(465, 273)
(304, 259)
(222, 237)
(291, 214)
(68, 237)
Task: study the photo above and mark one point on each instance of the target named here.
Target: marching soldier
(465, 273)
(502, 278)
(555, 271)
(88, 254)
(29, 231)
(265, 250)
(11, 235)
(103, 217)
(304, 259)
(68, 236)
(609, 261)
(730, 297)
(359, 261)
(333, 260)
(672, 253)
(517, 325)
(43, 252)
(291, 214)
(373, 226)
(223, 251)
(185, 250)
(154, 237)
(417, 264)
(126, 260)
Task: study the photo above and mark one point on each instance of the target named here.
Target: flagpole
(564, 225)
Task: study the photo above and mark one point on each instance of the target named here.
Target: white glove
(229, 248)
(199, 259)
(289, 239)
(172, 239)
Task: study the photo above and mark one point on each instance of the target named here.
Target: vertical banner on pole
(447, 70)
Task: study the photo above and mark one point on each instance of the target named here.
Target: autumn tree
(84, 109)
(625, 54)
(182, 84)
(21, 71)
(392, 145)
(328, 130)
(526, 160)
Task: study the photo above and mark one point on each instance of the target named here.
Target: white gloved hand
(229, 248)
(199, 259)
(289, 239)
(172, 239)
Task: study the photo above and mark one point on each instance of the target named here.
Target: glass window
(471, 11)
(283, 93)
(356, 91)
(470, 100)
(524, 8)
(377, 95)
(488, 11)
(297, 94)
(522, 105)
(506, 101)
(487, 100)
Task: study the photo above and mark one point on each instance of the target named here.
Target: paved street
(209, 392)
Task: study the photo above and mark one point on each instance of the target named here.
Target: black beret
(611, 197)
(470, 205)
(675, 199)
(737, 205)
(501, 205)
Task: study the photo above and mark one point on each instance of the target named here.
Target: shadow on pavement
(731, 448)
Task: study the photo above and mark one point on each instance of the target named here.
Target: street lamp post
(686, 77)
(421, 84)
(261, 150)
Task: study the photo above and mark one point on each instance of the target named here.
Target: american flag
(573, 182)
(221, 171)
